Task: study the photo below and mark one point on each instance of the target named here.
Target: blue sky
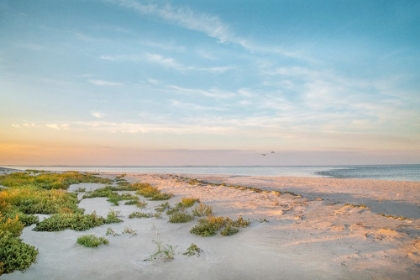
(209, 82)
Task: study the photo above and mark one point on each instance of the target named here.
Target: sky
(131, 82)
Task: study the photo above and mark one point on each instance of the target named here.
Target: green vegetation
(14, 254)
(192, 250)
(180, 217)
(229, 230)
(140, 215)
(75, 221)
(163, 252)
(91, 240)
(189, 201)
(210, 225)
(110, 231)
(162, 207)
(80, 190)
(356, 205)
(202, 210)
(151, 192)
(47, 180)
(394, 217)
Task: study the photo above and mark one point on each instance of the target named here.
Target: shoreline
(326, 233)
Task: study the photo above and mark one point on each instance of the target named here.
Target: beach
(301, 228)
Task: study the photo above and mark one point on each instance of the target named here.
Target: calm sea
(406, 172)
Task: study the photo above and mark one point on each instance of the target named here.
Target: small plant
(74, 221)
(110, 231)
(229, 230)
(130, 231)
(91, 240)
(202, 210)
(162, 207)
(113, 217)
(194, 182)
(240, 222)
(141, 204)
(140, 215)
(192, 250)
(131, 202)
(189, 201)
(180, 217)
(163, 252)
(80, 190)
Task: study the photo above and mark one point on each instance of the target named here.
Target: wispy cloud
(208, 24)
(57, 126)
(164, 61)
(193, 106)
(97, 115)
(104, 83)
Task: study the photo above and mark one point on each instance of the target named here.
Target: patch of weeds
(47, 180)
(229, 230)
(208, 226)
(162, 207)
(292, 193)
(131, 202)
(140, 215)
(110, 231)
(129, 231)
(80, 190)
(189, 201)
(113, 217)
(202, 210)
(141, 204)
(173, 210)
(180, 217)
(151, 192)
(192, 250)
(91, 240)
(12, 225)
(74, 221)
(356, 205)
(164, 252)
(394, 217)
(14, 254)
(114, 200)
(240, 222)
(194, 182)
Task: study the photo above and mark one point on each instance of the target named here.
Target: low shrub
(240, 222)
(202, 210)
(162, 207)
(74, 221)
(140, 215)
(180, 217)
(113, 217)
(14, 254)
(192, 250)
(91, 240)
(229, 230)
(189, 201)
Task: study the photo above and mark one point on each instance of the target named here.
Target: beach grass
(91, 240)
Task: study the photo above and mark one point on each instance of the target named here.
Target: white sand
(310, 237)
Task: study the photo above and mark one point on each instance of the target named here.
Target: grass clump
(356, 205)
(74, 221)
(91, 240)
(180, 217)
(210, 225)
(202, 210)
(110, 231)
(229, 230)
(14, 254)
(113, 217)
(394, 217)
(189, 201)
(163, 252)
(80, 190)
(151, 192)
(192, 250)
(162, 207)
(129, 231)
(140, 215)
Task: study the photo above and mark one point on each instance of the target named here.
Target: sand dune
(332, 229)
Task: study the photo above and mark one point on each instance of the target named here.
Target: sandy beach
(318, 228)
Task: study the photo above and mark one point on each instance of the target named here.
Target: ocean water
(406, 172)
